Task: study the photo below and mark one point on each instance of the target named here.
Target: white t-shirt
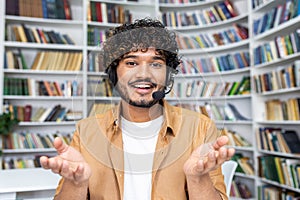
(139, 142)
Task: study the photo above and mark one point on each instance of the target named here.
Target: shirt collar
(172, 117)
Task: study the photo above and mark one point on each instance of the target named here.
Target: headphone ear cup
(112, 75)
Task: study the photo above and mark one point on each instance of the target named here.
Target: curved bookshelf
(37, 150)
(243, 43)
(238, 122)
(188, 5)
(238, 174)
(214, 98)
(43, 72)
(96, 98)
(281, 91)
(288, 155)
(28, 45)
(279, 122)
(279, 185)
(265, 6)
(62, 123)
(227, 22)
(34, 20)
(290, 24)
(251, 149)
(219, 73)
(284, 60)
(43, 98)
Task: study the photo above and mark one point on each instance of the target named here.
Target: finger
(59, 145)
(66, 171)
(220, 142)
(44, 162)
(200, 167)
(223, 155)
(55, 164)
(231, 152)
(79, 172)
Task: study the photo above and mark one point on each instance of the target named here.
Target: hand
(208, 157)
(69, 163)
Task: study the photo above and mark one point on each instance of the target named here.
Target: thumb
(59, 145)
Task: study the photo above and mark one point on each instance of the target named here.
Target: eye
(131, 63)
(156, 65)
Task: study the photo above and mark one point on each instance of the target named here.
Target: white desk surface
(23, 180)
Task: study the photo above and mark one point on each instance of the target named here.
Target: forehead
(152, 52)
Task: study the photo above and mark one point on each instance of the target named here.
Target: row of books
(214, 111)
(57, 60)
(95, 36)
(200, 88)
(277, 139)
(99, 87)
(273, 192)
(234, 34)
(20, 162)
(235, 139)
(257, 3)
(108, 13)
(22, 33)
(213, 14)
(51, 9)
(280, 78)
(281, 170)
(220, 63)
(279, 110)
(240, 190)
(32, 87)
(44, 60)
(278, 15)
(15, 60)
(181, 1)
(245, 164)
(95, 63)
(279, 47)
(28, 140)
(57, 113)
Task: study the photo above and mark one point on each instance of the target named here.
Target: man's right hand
(69, 163)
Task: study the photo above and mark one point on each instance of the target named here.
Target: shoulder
(97, 120)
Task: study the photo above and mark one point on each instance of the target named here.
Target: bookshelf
(206, 59)
(212, 64)
(270, 122)
(74, 54)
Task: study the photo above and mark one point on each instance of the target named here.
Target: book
(292, 140)
(53, 113)
(27, 113)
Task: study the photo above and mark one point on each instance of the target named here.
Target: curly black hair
(141, 34)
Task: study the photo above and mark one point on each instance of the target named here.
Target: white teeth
(142, 86)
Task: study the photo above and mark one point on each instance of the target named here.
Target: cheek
(161, 77)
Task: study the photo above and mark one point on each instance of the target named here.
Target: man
(143, 148)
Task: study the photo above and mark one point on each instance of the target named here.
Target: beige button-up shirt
(99, 139)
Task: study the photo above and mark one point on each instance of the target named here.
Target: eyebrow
(156, 57)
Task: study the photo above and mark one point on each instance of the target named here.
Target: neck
(138, 114)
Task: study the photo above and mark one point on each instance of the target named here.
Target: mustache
(147, 80)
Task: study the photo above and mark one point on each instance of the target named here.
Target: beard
(125, 95)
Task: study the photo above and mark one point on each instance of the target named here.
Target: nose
(143, 71)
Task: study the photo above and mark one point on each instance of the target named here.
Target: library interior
(240, 67)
